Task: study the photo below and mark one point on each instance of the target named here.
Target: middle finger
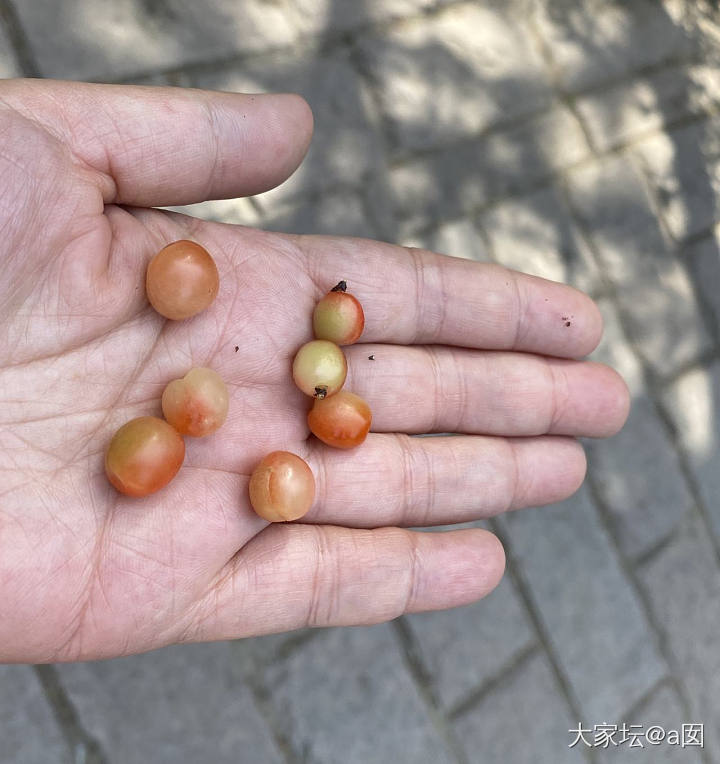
(433, 388)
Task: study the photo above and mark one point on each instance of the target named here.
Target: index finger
(414, 296)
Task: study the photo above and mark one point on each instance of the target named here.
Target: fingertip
(612, 401)
(288, 124)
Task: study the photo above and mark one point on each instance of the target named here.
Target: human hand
(459, 347)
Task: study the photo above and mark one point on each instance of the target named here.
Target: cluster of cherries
(146, 453)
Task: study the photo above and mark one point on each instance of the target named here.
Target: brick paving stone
(524, 720)
(448, 76)
(594, 41)
(236, 211)
(464, 647)
(321, 17)
(458, 180)
(345, 146)
(458, 238)
(181, 704)
(637, 473)
(693, 403)
(535, 233)
(100, 41)
(347, 696)
(663, 709)
(9, 66)
(654, 291)
(28, 731)
(683, 584)
(638, 476)
(626, 111)
(339, 214)
(589, 610)
(704, 258)
(684, 168)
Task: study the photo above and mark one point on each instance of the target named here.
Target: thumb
(163, 146)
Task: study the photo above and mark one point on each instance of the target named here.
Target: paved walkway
(576, 139)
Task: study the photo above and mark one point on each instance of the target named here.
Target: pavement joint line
(18, 40)
(656, 630)
(646, 557)
(422, 680)
(262, 697)
(83, 746)
(516, 576)
(324, 42)
(504, 673)
(702, 362)
(549, 177)
(633, 711)
(554, 77)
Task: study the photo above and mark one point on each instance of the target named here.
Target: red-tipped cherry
(197, 404)
(282, 487)
(338, 317)
(341, 421)
(319, 368)
(144, 455)
(181, 280)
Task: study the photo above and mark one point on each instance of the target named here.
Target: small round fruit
(338, 317)
(144, 455)
(319, 368)
(341, 421)
(197, 404)
(182, 280)
(282, 487)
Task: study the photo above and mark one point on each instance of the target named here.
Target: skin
(459, 346)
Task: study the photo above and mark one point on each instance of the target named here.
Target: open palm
(458, 347)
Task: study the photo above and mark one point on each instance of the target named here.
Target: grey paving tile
(448, 76)
(683, 166)
(524, 720)
(458, 238)
(340, 213)
(663, 710)
(345, 146)
(637, 473)
(87, 39)
(320, 17)
(28, 731)
(592, 616)
(693, 403)
(638, 476)
(180, 704)
(449, 183)
(236, 211)
(535, 233)
(9, 66)
(347, 696)
(654, 291)
(626, 111)
(683, 583)
(464, 647)
(593, 42)
(704, 258)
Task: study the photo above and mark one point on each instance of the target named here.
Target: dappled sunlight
(692, 402)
